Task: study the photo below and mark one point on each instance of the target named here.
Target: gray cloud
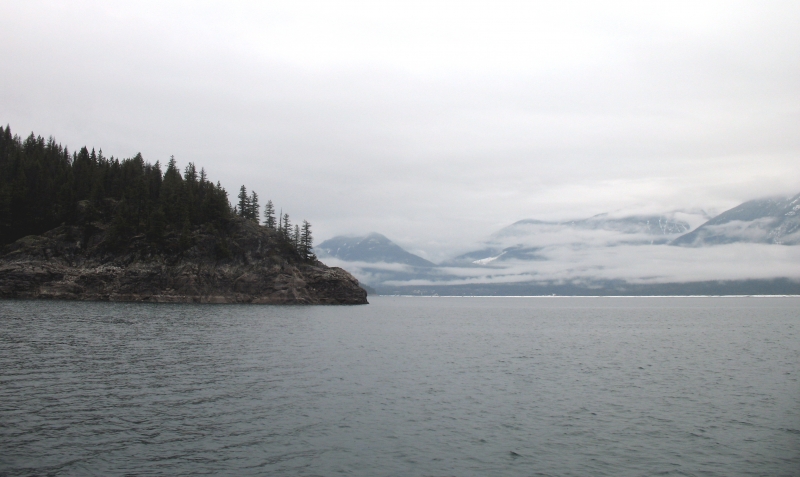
(634, 264)
(433, 123)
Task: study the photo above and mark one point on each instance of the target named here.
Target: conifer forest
(43, 186)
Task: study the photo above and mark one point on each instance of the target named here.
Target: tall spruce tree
(171, 196)
(306, 242)
(269, 215)
(43, 185)
(243, 208)
(286, 228)
(253, 212)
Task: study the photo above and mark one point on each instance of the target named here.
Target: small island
(82, 226)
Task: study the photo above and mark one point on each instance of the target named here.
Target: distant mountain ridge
(644, 224)
(600, 255)
(772, 220)
(513, 242)
(372, 248)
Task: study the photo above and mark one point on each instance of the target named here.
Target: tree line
(43, 185)
(299, 236)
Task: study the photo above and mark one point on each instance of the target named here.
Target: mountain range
(774, 220)
(603, 254)
(524, 240)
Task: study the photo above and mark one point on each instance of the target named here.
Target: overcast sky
(433, 123)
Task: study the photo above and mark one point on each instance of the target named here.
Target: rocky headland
(239, 261)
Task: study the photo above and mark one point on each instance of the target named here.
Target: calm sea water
(403, 387)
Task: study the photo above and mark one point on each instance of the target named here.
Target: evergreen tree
(191, 190)
(43, 185)
(171, 196)
(253, 212)
(215, 206)
(306, 242)
(157, 226)
(244, 203)
(185, 241)
(269, 215)
(287, 228)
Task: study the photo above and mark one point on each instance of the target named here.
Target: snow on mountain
(372, 248)
(772, 221)
(374, 259)
(596, 251)
(526, 239)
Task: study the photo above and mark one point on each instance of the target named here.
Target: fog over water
(434, 123)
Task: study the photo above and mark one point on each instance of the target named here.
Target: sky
(433, 123)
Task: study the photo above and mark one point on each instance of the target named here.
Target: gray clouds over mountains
(757, 240)
(435, 123)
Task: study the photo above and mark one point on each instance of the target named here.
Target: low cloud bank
(654, 264)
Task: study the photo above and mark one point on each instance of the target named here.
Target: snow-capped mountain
(374, 259)
(773, 221)
(525, 239)
(372, 248)
(651, 225)
(603, 254)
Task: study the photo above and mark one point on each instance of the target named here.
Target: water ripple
(431, 387)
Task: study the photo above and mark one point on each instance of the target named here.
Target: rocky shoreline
(240, 262)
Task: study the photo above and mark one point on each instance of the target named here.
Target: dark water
(405, 386)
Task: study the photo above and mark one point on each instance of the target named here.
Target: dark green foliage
(185, 240)
(306, 242)
(41, 185)
(269, 215)
(157, 226)
(286, 228)
(248, 205)
(253, 212)
(243, 208)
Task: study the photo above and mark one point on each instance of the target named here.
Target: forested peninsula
(81, 226)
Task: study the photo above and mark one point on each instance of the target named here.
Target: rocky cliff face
(238, 262)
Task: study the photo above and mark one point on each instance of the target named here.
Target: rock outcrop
(238, 262)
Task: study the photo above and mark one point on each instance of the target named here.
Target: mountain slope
(645, 224)
(524, 240)
(372, 248)
(774, 220)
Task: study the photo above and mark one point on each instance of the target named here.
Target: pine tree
(244, 203)
(171, 196)
(287, 228)
(252, 214)
(42, 185)
(269, 215)
(157, 226)
(306, 242)
(191, 192)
